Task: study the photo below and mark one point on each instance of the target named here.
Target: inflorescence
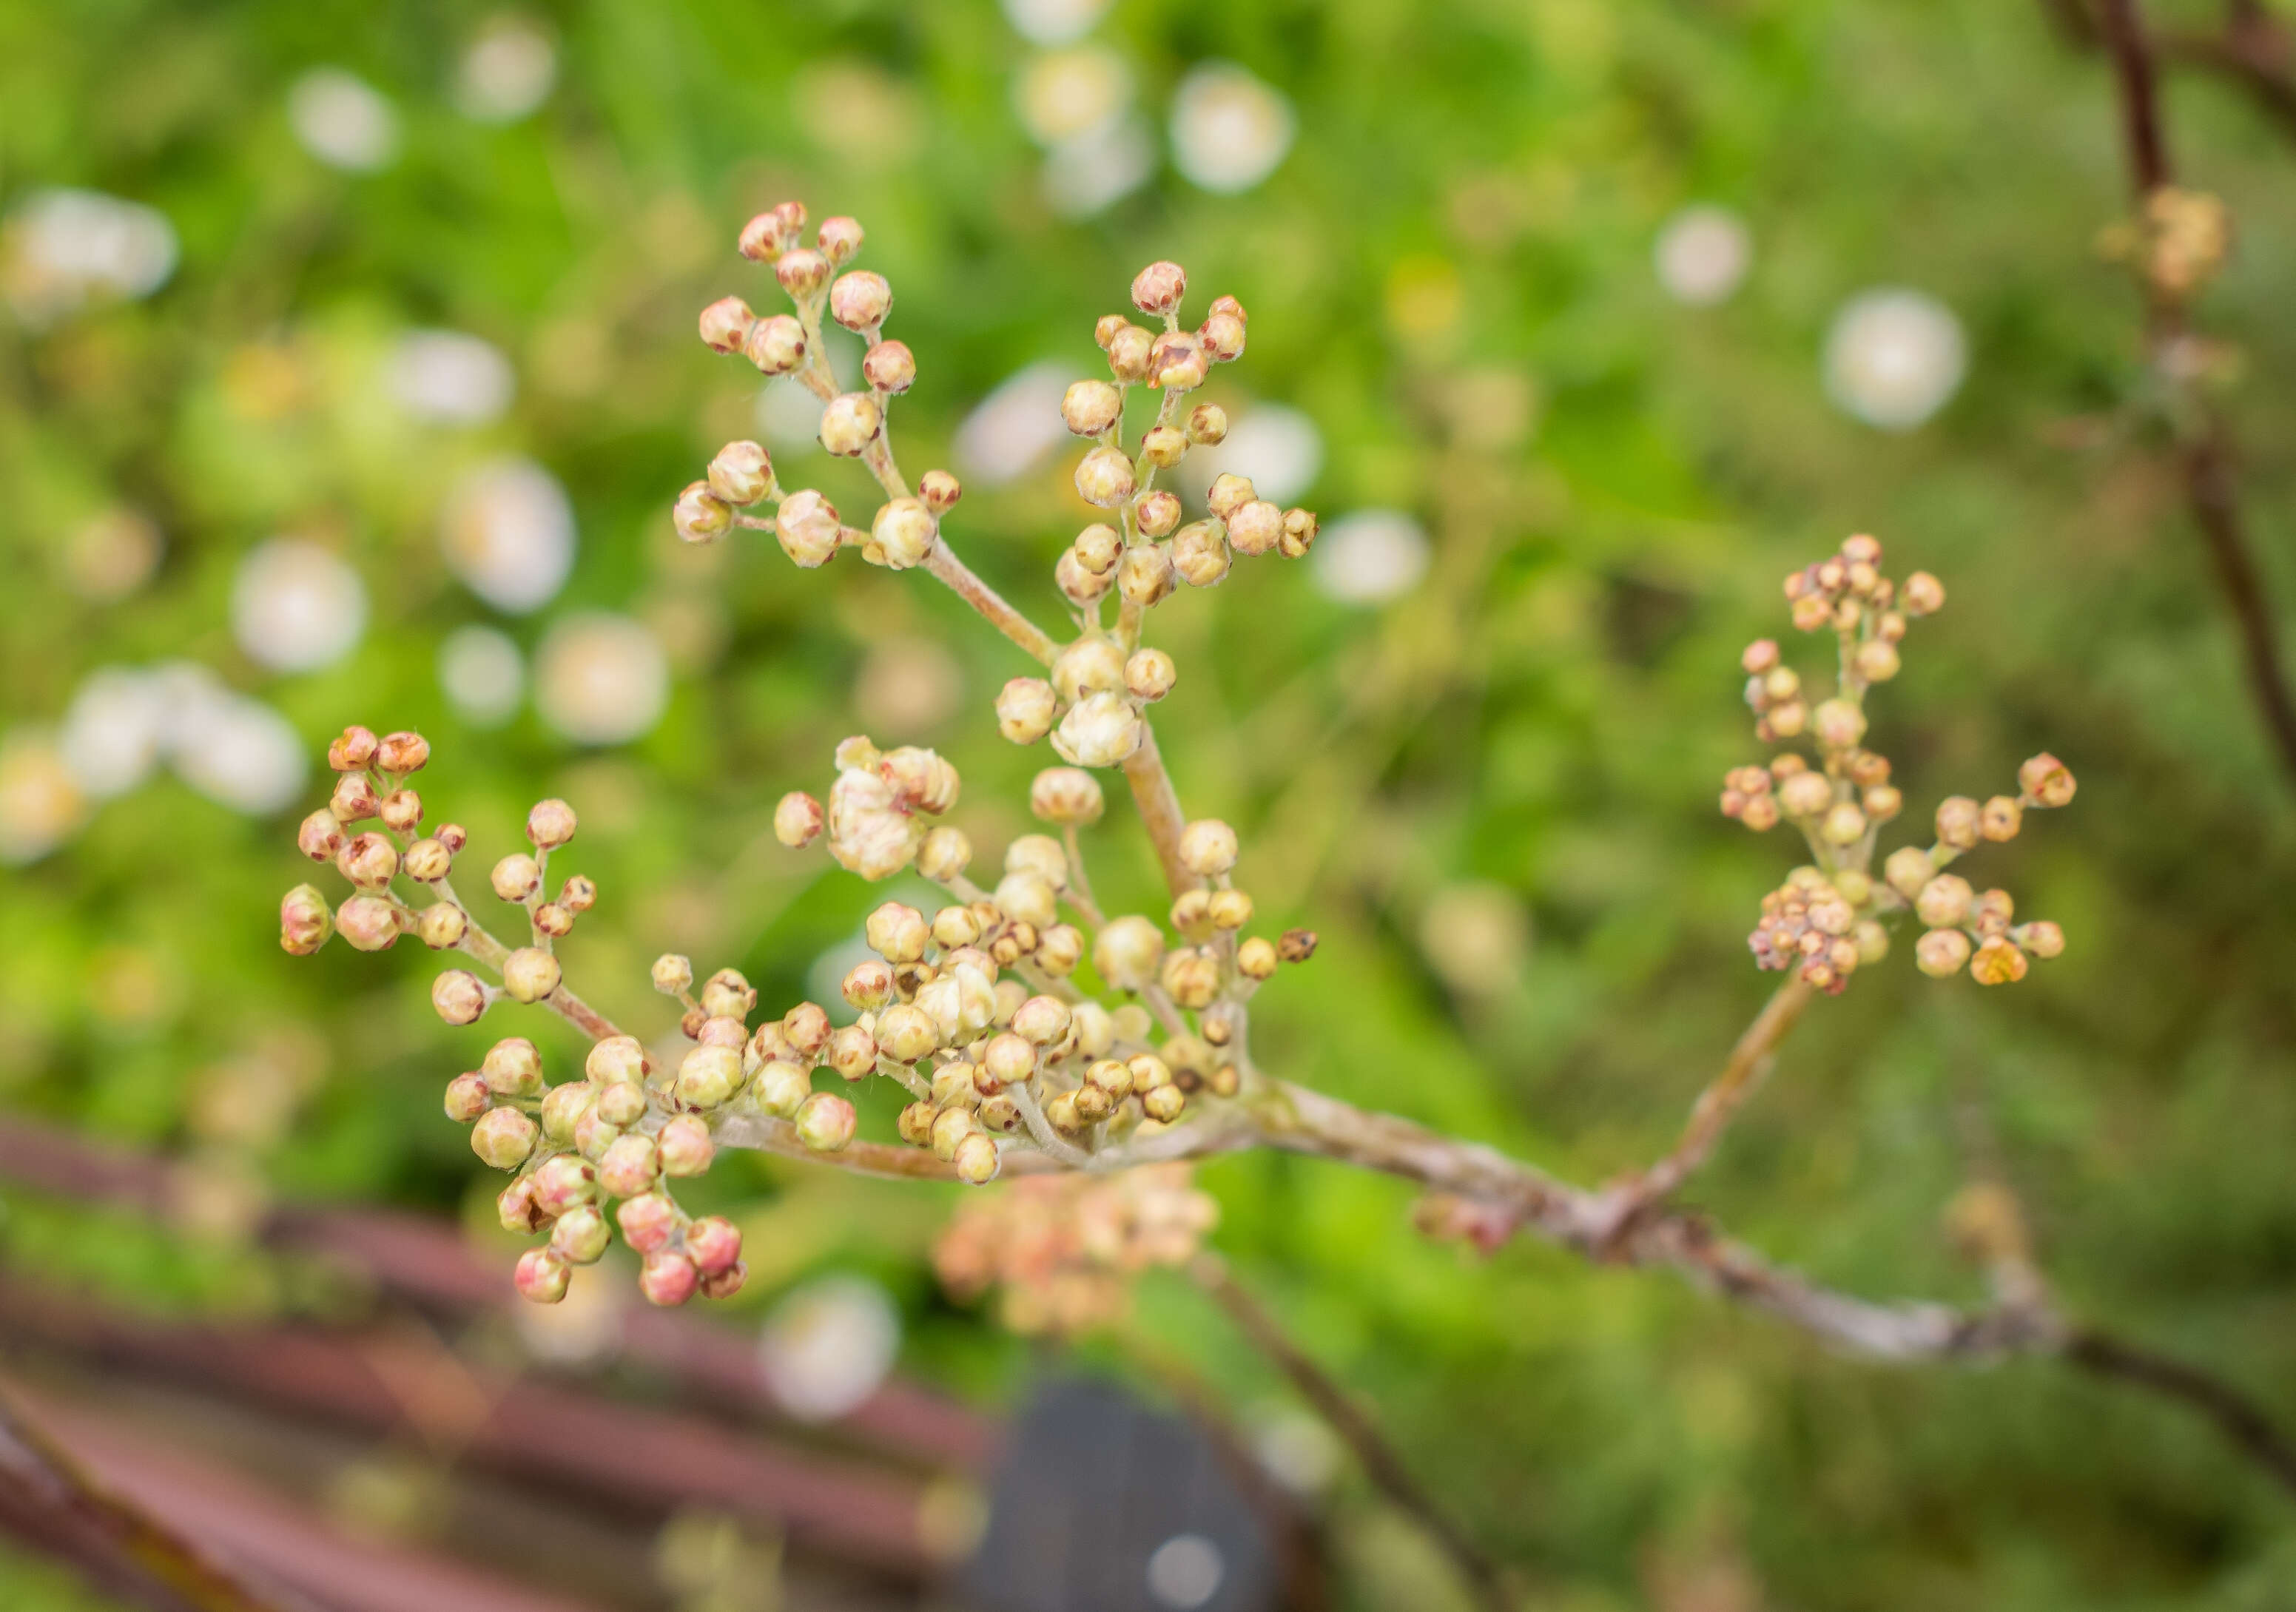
(1830, 916)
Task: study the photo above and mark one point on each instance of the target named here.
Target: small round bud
(708, 1076)
(1207, 847)
(801, 273)
(1163, 446)
(1010, 1057)
(1299, 529)
(1875, 660)
(939, 490)
(1229, 493)
(580, 1236)
(401, 753)
(468, 1098)
(1940, 952)
(1078, 585)
(1838, 724)
(860, 300)
(2041, 938)
(1164, 1104)
(369, 923)
(354, 799)
(305, 921)
(808, 527)
(1042, 1019)
(852, 1052)
(1100, 731)
(1068, 796)
(1103, 478)
(1255, 959)
(949, 1128)
(513, 1068)
(1091, 665)
(769, 234)
(850, 424)
(458, 996)
(898, 933)
(1097, 547)
(673, 975)
(1907, 869)
(905, 1033)
(1126, 951)
(825, 1122)
(1199, 554)
(402, 809)
(905, 531)
(781, 1087)
(1957, 820)
(944, 854)
(1025, 708)
(1923, 594)
(891, 368)
(648, 1220)
(503, 1138)
(1207, 424)
(725, 324)
(530, 974)
(868, 985)
(839, 239)
(542, 1276)
(1159, 287)
(1230, 909)
(2045, 781)
(515, 876)
(1127, 353)
(1944, 902)
(352, 750)
(1222, 336)
(1844, 825)
(2000, 818)
(1092, 407)
(320, 836)
(776, 346)
(1146, 575)
(686, 1147)
(976, 1160)
(742, 472)
(1157, 513)
(550, 824)
(727, 994)
(670, 1280)
(616, 1059)
(1254, 526)
(714, 1244)
(428, 861)
(797, 819)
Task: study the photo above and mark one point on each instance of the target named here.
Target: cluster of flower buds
(906, 528)
(1140, 548)
(1827, 917)
(2176, 244)
(1063, 1250)
(1092, 705)
(978, 1009)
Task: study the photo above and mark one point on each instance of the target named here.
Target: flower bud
(542, 1276)
(1199, 554)
(1230, 909)
(1146, 575)
(458, 996)
(580, 1236)
(776, 346)
(728, 995)
(1099, 730)
(1255, 959)
(851, 1052)
(2000, 818)
(797, 820)
(667, 1279)
(1207, 847)
(1028, 898)
(727, 323)
(906, 1033)
(673, 976)
(515, 876)
(620, 1103)
(503, 1138)
(2045, 781)
(1907, 869)
(354, 799)
(1092, 407)
(1126, 951)
(1164, 1104)
(549, 824)
(1844, 825)
(825, 1122)
(1159, 287)
(401, 810)
(949, 1128)
(321, 837)
(808, 527)
(1223, 338)
(839, 239)
(648, 1220)
(468, 1098)
(1957, 820)
(352, 750)
(530, 974)
(905, 531)
(1923, 594)
(1010, 1058)
(860, 300)
(742, 473)
(891, 368)
(708, 1075)
(1025, 707)
(686, 1146)
(1068, 796)
(714, 1244)
(801, 273)
(1838, 724)
(1040, 854)
(629, 1166)
(1875, 660)
(976, 1160)
(1103, 478)
(1945, 901)
(1997, 962)
(2041, 938)
(1042, 1019)
(369, 923)
(700, 515)
(1940, 952)
(944, 854)
(1229, 493)
(1255, 526)
(1207, 424)
(850, 424)
(305, 921)
(1127, 353)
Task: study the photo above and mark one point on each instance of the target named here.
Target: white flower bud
(860, 300)
(1068, 796)
(700, 515)
(1097, 546)
(1041, 855)
(850, 424)
(897, 932)
(1255, 526)
(945, 855)
(1029, 898)
(807, 527)
(905, 531)
(1146, 575)
(1207, 847)
(530, 974)
(797, 819)
(1159, 287)
(1025, 707)
(742, 472)
(1080, 584)
(1150, 674)
(1103, 478)
(1126, 951)
(891, 368)
(1199, 554)
(1091, 665)
(776, 346)
(1091, 407)
(1100, 731)
(871, 832)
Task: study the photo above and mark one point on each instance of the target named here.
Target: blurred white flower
(508, 533)
(907, 686)
(1702, 255)
(1098, 168)
(601, 678)
(231, 748)
(827, 1346)
(1011, 430)
(1300, 1451)
(482, 675)
(507, 71)
(113, 555)
(1369, 557)
(450, 379)
(295, 606)
(582, 1330)
(40, 804)
(1063, 93)
(1054, 22)
(1279, 448)
(115, 730)
(1894, 357)
(788, 418)
(343, 121)
(59, 249)
(1229, 129)
(1477, 937)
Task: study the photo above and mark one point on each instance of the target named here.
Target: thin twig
(2235, 1415)
(2205, 453)
(1355, 1427)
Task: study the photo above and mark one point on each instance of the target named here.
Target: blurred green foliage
(1467, 216)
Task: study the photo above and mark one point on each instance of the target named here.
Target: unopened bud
(1068, 796)
(860, 300)
(530, 974)
(353, 752)
(686, 1147)
(801, 273)
(1091, 407)
(673, 975)
(503, 1138)
(825, 1122)
(468, 1098)
(742, 472)
(850, 424)
(944, 854)
(1207, 424)
(891, 368)
(725, 324)
(371, 924)
(2045, 781)
(1957, 822)
(1207, 847)
(542, 1276)
(459, 997)
(305, 921)
(550, 823)
(1255, 526)
(668, 1279)
(808, 528)
(776, 346)
(905, 531)
(1103, 478)
(1940, 952)
(1922, 595)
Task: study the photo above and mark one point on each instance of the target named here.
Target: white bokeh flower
(1894, 357)
(1369, 557)
(295, 606)
(231, 748)
(1476, 937)
(1229, 129)
(788, 418)
(1279, 448)
(1702, 255)
(61, 248)
(343, 121)
(1012, 430)
(601, 678)
(1097, 169)
(508, 533)
(507, 72)
(482, 675)
(115, 730)
(113, 554)
(40, 802)
(1061, 95)
(1054, 22)
(449, 378)
(582, 1331)
(829, 1345)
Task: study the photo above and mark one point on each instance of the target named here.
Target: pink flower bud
(802, 273)
(713, 1243)
(686, 1147)
(401, 753)
(354, 799)
(891, 368)
(562, 1182)
(2045, 781)
(459, 997)
(648, 1220)
(515, 1206)
(468, 1098)
(353, 752)
(368, 861)
(839, 238)
(1159, 287)
(320, 836)
(825, 1123)
(629, 1166)
(700, 515)
(580, 1236)
(860, 300)
(542, 1276)
(305, 922)
(670, 1280)
(370, 922)
(808, 527)
(776, 346)
(549, 824)
(725, 324)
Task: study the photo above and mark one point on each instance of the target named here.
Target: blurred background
(348, 373)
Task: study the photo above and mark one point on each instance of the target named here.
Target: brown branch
(1159, 808)
(1355, 1427)
(2205, 455)
(2235, 1415)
